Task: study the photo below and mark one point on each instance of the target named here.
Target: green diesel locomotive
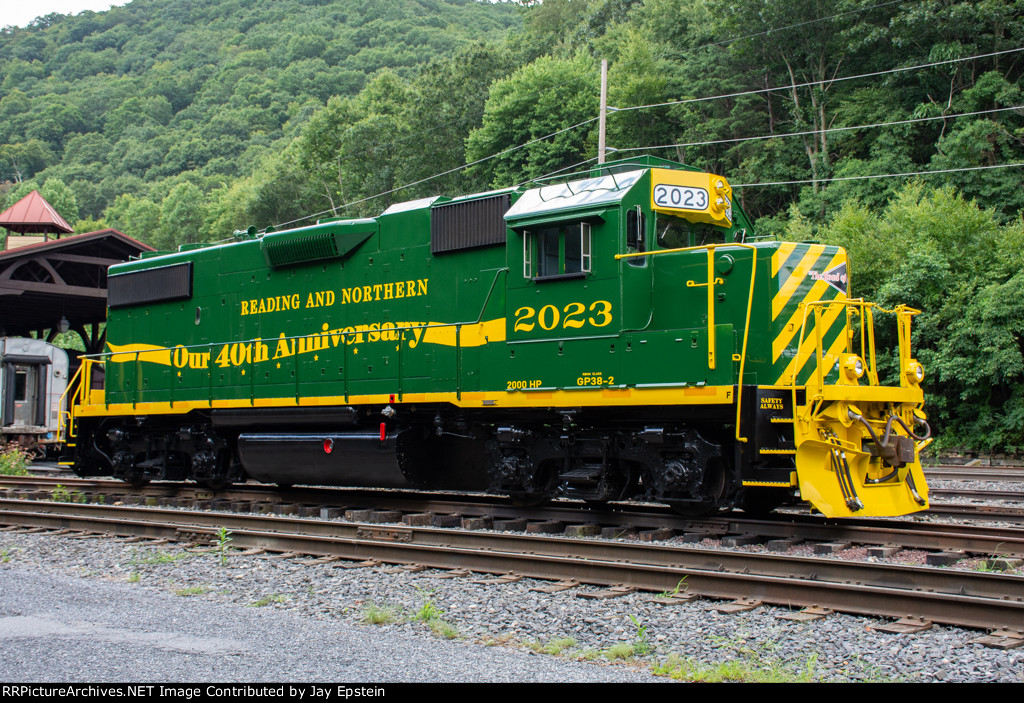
(617, 334)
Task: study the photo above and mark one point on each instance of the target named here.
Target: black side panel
(469, 224)
(150, 286)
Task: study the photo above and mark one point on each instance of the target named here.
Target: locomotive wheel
(715, 481)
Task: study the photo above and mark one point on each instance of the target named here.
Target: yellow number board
(698, 197)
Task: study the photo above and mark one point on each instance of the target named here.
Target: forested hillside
(149, 112)
(892, 127)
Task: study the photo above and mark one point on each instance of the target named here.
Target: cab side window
(558, 250)
(636, 239)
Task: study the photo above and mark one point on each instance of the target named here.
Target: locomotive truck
(616, 334)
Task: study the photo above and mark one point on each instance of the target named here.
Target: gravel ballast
(73, 609)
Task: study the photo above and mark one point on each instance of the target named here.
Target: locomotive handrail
(904, 315)
(711, 248)
(67, 411)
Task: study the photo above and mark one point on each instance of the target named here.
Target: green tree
(957, 263)
(181, 217)
(537, 120)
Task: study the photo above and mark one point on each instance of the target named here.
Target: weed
(749, 667)
(641, 645)
(443, 628)
(223, 539)
(497, 640)
(267, 600)
(428, 611)
(157, 558)
(374, 614)
(60, 494)
(622, 650)
(675, 591)
(557, 646)
(5, 555)
(14, 461)
(134, 577)
(867, 672)
(192, 591)
(433, 616)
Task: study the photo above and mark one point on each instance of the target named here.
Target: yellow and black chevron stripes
(804, 273)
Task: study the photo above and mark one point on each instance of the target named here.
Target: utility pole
(604, 112)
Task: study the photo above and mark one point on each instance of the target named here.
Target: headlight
(915, 372)
(853, 366)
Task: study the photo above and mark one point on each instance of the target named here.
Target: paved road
(65, 629)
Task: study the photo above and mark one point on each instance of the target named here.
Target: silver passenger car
(33, 377)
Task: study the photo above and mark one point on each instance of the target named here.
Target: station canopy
(61, 285)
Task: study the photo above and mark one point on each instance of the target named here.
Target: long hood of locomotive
(304, 335)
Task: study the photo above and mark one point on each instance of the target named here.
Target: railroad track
(971, 599)
(974, 473)
(644, 521)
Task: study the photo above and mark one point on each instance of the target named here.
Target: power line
(812, 83)
(798, 24)
(881, 175)
(913, 120)
(766, 32)
(443, 173)
(642, 107)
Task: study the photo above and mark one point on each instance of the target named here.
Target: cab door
(637, 288)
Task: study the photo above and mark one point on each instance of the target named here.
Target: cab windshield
(677, 233)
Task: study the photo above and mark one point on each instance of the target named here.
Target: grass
(267, 600)
(746, 665)
(139, 559)
(374, 614)
(14, 461)
(5, 554)
(621, 650)
(60, 494)
(433, 617)
(134, 577)
(443, 628)
(192, 591)
(555, 647)
(737, 671)
(640, 646)
(498, 640)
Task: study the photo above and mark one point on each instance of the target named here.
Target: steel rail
(974, 539)
(970, 599)
(975, 473)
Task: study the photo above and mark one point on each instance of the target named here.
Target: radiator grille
(469, 224)
(150, 286)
